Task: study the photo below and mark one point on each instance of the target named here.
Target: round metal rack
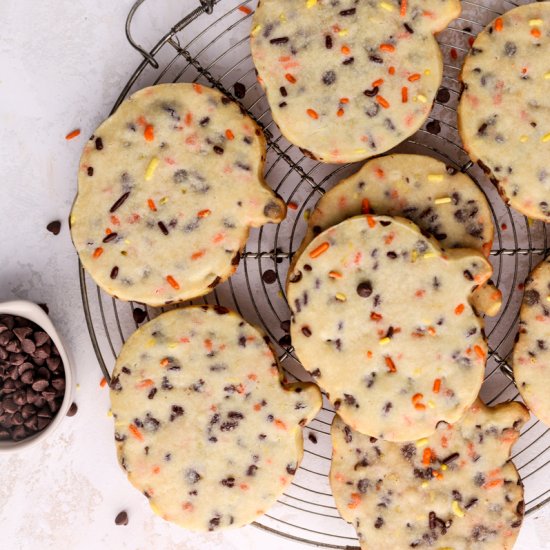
(210, 45)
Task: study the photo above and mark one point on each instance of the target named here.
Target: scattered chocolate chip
(239, 90)
(122, 518)
(54, 227)
(364, 289)
(139, 315)
(269, 276)
(73, 409)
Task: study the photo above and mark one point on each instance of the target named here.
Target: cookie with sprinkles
(439, 199)
(503, 114)
(532, 350)
(349, 80)
(456, 489)
(168, 189)
(204, 427)
(381, 318)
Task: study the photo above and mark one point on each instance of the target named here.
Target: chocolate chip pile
(32, 378)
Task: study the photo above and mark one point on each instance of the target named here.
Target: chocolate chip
(72, 409)
(139, 315)
(218, 150)
(122, 518)
(99, 144)
(329, 77)
(269, 276)
(364, 289)
(54, 227)
(239, 90)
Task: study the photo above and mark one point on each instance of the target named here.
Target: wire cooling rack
(210, 45)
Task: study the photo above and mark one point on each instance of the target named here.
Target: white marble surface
(62, 65)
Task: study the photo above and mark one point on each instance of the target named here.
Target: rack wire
(210, 45)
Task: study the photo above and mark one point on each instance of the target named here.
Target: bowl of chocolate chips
(36, 382)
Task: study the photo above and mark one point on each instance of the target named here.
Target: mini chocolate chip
(306, 331)
(54, 227)
(121, 518)
(269, 276)
(218, 150)
(72, 409)
(364, 289)
(239, 90)
(99, 144)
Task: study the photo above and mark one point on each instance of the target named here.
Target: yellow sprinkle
(547, 76)
(386, 6)
(127, 241)
(343, 32)
(109, 412)
(151, 168)
(360, 151)
(456, 509)
(151, 342)
(424, 484)
(172, 345)
(384, 341)
(341, 297)
(535, 22)
(72, 219)
(417, 371)
(164, 200)
(548, 298)
(524, 138)
(307, 214)
(431, 404)
(427, 72)
(545, 138)
(155, 509)
(78, 386)
(444, 467)
(422, 98)
(282, 18)
(311, 3)
(429, 255)
(443, 200)
(422, 442)
(414, 256)
(256, 30)
(435, 177)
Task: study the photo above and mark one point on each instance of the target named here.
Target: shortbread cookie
(349, 80)
(382, 321)
(168, 189)
(440, 200)
(203, 426)
(504, 112)
(455, 489)
(532, 349)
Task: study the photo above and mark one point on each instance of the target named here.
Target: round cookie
(504, 112)
(382, 321)
(203, 426)
(532, 350)
(436, 197)
(349, 80)
(456, 489)
(168, 188)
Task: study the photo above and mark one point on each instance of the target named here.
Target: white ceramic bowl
(37, 315)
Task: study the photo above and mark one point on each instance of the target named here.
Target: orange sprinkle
(404, 94)
(380, 172)
(204, 213)
(243, 487)
(135, 432)
(321, 249)
(290, 78)
(499, 25)
(378, 82)
(387, 47)
(229, 135)
(218, 238)
(391, 70)
(371, 221)
(420, 293)
(459, 309)
(188, 119)
(280, 424)
(403, 10)
(437, 475)
(115, 220)
(187, 506)
(345, 50)
(164, 362)
(383, 102)
(197, 88)
(156, 469)
(417, 397)
(97, 252)
(493, 483)
(145, 383)
(437, 385)
(149, 132)
(344, 100)
(375, 316)
(257, 407)
(420, 406)
(365, 206)
(313, 114)
(390, 364)
(479, 352)
(103, 382)
(414, 77)
(172, 282)
(197, 255)
(340, 113)
(72, 135)
(292, 205)
(245, 9)
(355, 501)
(427, 456)
(108, 231)
(253, 376)
(536, 33)
(152, 205)
(335, 275)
